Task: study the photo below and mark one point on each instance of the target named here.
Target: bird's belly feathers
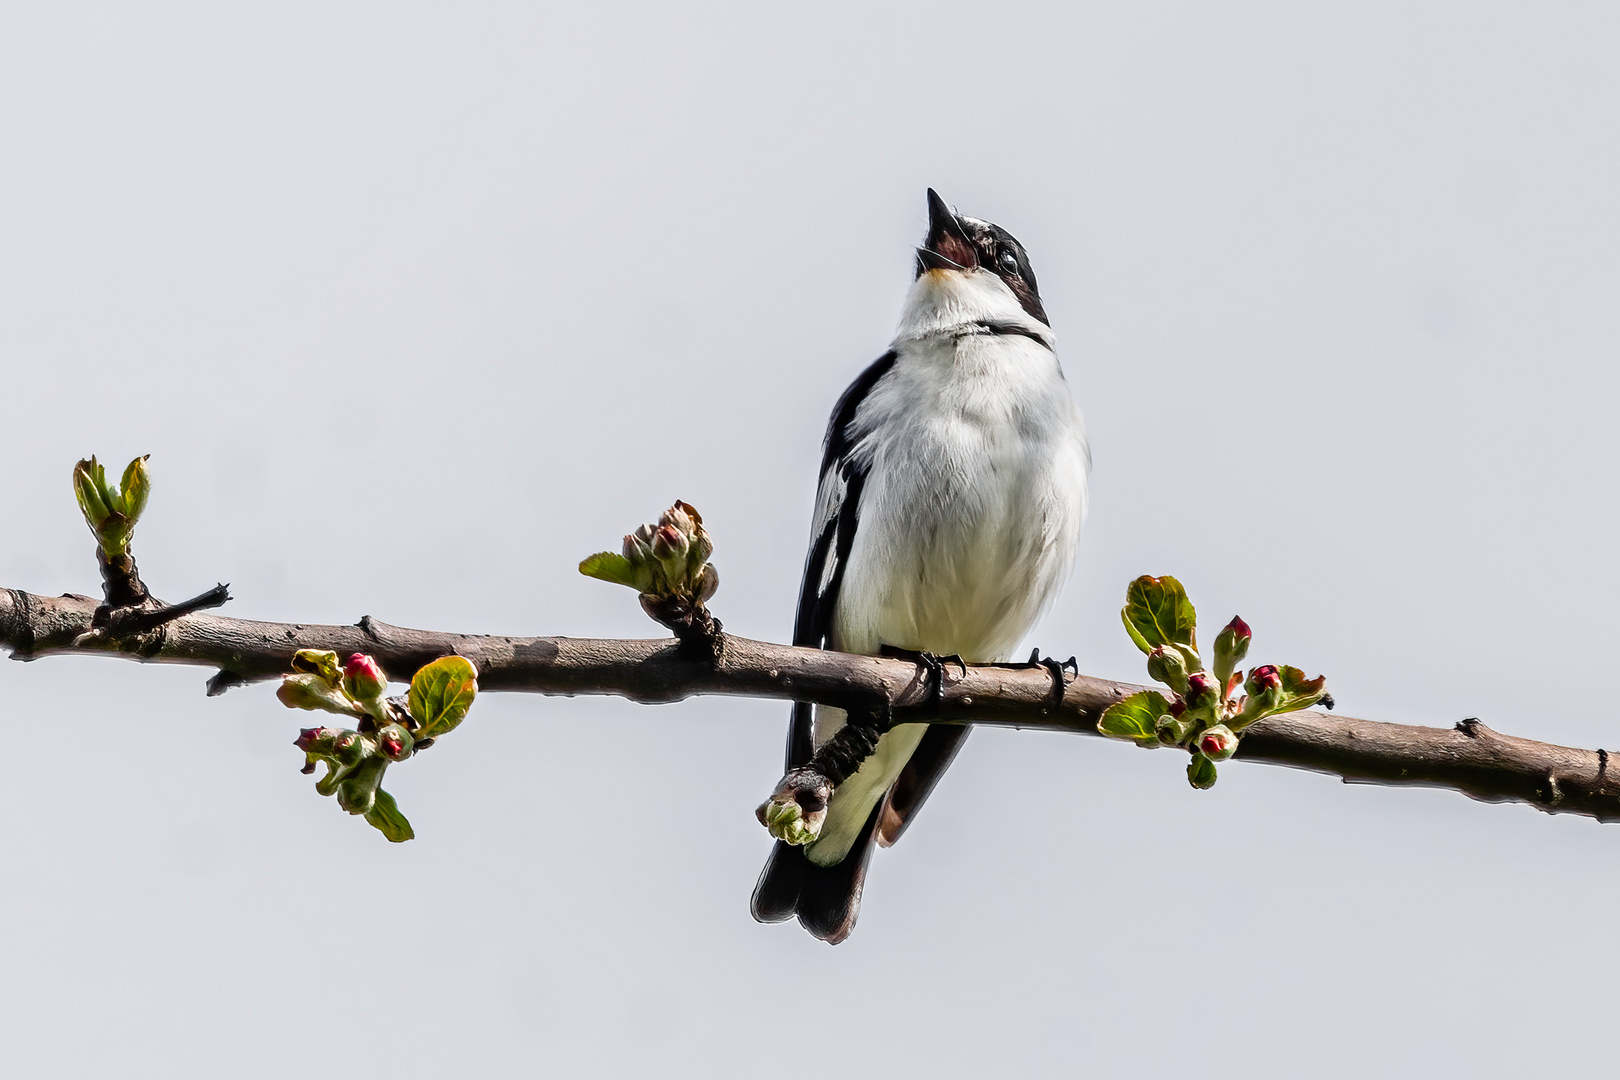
(969, 521)
(969, 577)
(971, 511)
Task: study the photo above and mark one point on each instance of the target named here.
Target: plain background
(415, 305)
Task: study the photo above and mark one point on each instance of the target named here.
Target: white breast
(969, 522)
(974, 499)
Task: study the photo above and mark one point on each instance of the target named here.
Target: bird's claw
(1055, 668)
(933, 666)
(797, 808)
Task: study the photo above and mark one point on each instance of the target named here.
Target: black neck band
(1009, 329)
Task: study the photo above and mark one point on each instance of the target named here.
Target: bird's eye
(1007, 261)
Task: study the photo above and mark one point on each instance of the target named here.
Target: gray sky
(414, 306)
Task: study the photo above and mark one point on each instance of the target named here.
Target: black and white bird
(952, 494)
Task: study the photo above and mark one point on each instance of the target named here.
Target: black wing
(826, 899)
(838, 501)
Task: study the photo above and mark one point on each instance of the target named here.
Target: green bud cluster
(1204, 713)
(111, 512)
(787, 821)
(666, 561)
(386, 732)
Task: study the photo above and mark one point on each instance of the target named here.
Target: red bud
(310, 737)
(669, 543)
(1239, 628)
(1201, 684)
(1264, 677)
(363, 679)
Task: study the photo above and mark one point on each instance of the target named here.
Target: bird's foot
(1055, 668)
(796, 809)
(933, 666)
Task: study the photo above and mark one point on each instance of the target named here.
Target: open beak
(947, 246)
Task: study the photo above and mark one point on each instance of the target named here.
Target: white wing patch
(829, 502)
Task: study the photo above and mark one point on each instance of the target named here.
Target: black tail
(826, 899)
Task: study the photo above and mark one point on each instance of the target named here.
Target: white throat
(950, 301)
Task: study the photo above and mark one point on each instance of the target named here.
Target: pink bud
(669, 543)
(309, 737)
(393, 743)
(1264, 677)
(1200, 684)
(363, 679)
(1217, 744)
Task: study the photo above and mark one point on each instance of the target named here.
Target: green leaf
(610, 567)
(1135, 718)
(1157, 612)
(336, 773)
(136, 486)
(385, 816)
(441, 693)
(93, 506)
(322, 662)
(98, 476)
(1298, 692)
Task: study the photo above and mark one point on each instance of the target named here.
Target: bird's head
(975, 262)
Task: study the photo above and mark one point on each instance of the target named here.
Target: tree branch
(1470, 758)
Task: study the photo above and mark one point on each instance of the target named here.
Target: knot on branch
(698, 631)
(121, 585)
(134, 627)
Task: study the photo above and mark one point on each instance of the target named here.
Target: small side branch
(1471, 758)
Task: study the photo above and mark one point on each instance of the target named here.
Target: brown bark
(1469, 757)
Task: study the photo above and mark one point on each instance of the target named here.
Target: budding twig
(1480, 763)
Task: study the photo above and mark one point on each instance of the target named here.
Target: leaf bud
(363, 678)
(638, 546)
(789, 822)
(1172, 731)
(1167, 666)
(702, 548)
(322, 662)
(349, 748)
(1201, 772)
(358, 792)
(1217, 743)
(137, 487)
(707, 583)
(92, 500)
(310, 691)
